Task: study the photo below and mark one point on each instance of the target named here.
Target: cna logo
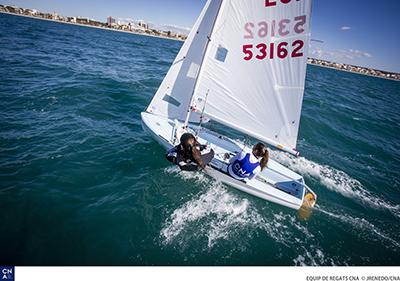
(7, 273)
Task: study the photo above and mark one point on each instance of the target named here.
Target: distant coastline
(91, 26)
(143, 29)
(355, 69)
(139, 27)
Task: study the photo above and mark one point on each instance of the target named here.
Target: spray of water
(336, 180)
(220, 215)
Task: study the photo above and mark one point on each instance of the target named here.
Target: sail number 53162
(280, 50)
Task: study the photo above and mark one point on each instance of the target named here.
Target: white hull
(275, 183)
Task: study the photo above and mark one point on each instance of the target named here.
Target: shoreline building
(110, 21)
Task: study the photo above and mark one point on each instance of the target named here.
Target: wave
(335, 180)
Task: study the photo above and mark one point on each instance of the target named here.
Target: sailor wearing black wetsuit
(190, 155)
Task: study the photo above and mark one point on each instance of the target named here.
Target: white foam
(198, 177)
(335, 180)
(220, 215)
(220, 209)
(223, 211)
(313, 256)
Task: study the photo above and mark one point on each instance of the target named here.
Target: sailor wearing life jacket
(246, 165)
(190, 155)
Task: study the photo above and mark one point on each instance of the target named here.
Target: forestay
(174, 94)
(253, 72)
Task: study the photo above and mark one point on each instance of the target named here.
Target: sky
(359, 32)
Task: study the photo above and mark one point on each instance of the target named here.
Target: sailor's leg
(184, 165)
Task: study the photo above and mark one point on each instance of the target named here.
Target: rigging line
(246, 142)
(202, 113)
(178, 61)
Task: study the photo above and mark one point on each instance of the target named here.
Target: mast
(189, 110)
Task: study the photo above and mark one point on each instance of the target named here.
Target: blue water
(82, 184)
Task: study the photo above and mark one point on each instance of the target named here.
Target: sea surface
(82, 184)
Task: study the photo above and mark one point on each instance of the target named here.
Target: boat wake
(335, 180)
(216, 217)
(222, 210)
(219, 217)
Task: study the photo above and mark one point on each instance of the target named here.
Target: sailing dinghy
(243, 65)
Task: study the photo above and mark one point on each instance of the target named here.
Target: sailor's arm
(197, 157)
(238, 156)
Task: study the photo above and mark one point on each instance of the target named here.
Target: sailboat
(243, 65)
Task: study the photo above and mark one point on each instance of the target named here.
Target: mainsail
(173, 97)
(253, 73)
(243, 65)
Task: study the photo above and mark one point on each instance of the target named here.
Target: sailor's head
(187, 140)
(259, 150)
